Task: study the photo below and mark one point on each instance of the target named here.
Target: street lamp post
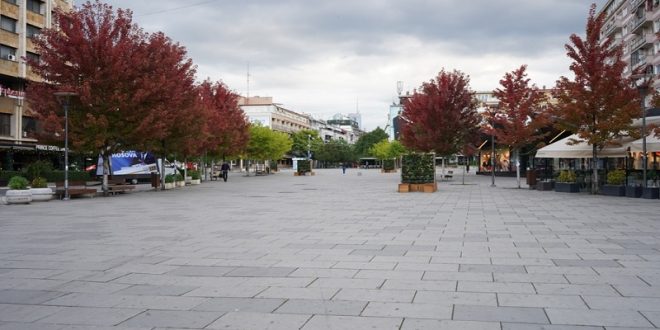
(643, 87)
(309, 147)
(490, 112)
(492, 157)
(64, 98)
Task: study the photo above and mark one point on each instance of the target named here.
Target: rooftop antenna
(399, 87)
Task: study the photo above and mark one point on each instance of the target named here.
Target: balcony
(612, 27)
(9, 9)
(644, 41)
(9, 68)
(637, 22)
(634, 4)
(637, 61)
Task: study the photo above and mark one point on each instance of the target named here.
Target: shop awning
(562, 149)
(652, 144)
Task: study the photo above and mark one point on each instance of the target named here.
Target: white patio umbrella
(562, 149)
(652, 144)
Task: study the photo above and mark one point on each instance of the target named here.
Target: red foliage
(521, 114)
(133, 87)
(442, 116)
(226, 127)
(598, 104)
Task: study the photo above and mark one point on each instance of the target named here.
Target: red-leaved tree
(441, 117)
(226, 128)
(133, 87)
(521, 115)
(598, 104)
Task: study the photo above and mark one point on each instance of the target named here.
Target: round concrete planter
(169, 185)
(41, 194)
(195, 181)
(180, 183)
(18, 196)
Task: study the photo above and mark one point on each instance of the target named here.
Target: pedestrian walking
(343, 168)
(225, 171)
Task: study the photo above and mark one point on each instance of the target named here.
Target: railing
(637, 42)
(637, 62)
(637, 22)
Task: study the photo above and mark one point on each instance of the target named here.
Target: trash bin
(155, 182)
(531, 178)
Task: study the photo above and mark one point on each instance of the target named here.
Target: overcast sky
(327, 57)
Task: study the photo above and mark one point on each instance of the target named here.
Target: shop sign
(48, 148)
(10, 93)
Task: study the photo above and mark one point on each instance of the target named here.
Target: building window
(31, 31)
(35, 6)
(29, 126)
(5, 124)
(11, 1)
(7, 53)
(8, 24)
(32, 57)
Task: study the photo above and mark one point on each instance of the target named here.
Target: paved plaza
(332, 251)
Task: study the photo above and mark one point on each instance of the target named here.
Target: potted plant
(651, 191)
(304, 167)
(18, 192)
(195, 177)
(273, 166)
(615, 184)
(418, 173)
(179, 180)
(169, 181)
(545, 185)
(567, 182)
(40, 191)
(388, 166)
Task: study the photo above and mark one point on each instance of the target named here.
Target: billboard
(129, 162)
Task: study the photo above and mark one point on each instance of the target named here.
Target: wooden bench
(116, 186)
(76, 188)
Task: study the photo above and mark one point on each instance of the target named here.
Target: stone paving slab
(332, 251)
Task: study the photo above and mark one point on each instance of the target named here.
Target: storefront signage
(10, 93)
(48, 148)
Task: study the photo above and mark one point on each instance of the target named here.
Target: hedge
(304, 166)
(418, 168)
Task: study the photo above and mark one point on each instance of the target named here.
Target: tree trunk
(185, 168)
(106, 171)
(517, 153)
(594, 167)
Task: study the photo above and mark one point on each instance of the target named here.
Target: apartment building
(20, 21)
(274, 116)
(634, 25)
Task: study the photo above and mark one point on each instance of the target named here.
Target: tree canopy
(366, 141)
(266, 144)
(304, 139)
(336, 151)
(225, 130)
(387, 150)
(132, 87)
(521, 113)
(598, 104)
(441, 117)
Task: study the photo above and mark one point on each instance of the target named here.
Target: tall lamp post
(492, 145)
(309, 147)
(64, 98)
(643, 82)
(492, 157)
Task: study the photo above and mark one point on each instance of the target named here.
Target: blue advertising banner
(129, 162)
